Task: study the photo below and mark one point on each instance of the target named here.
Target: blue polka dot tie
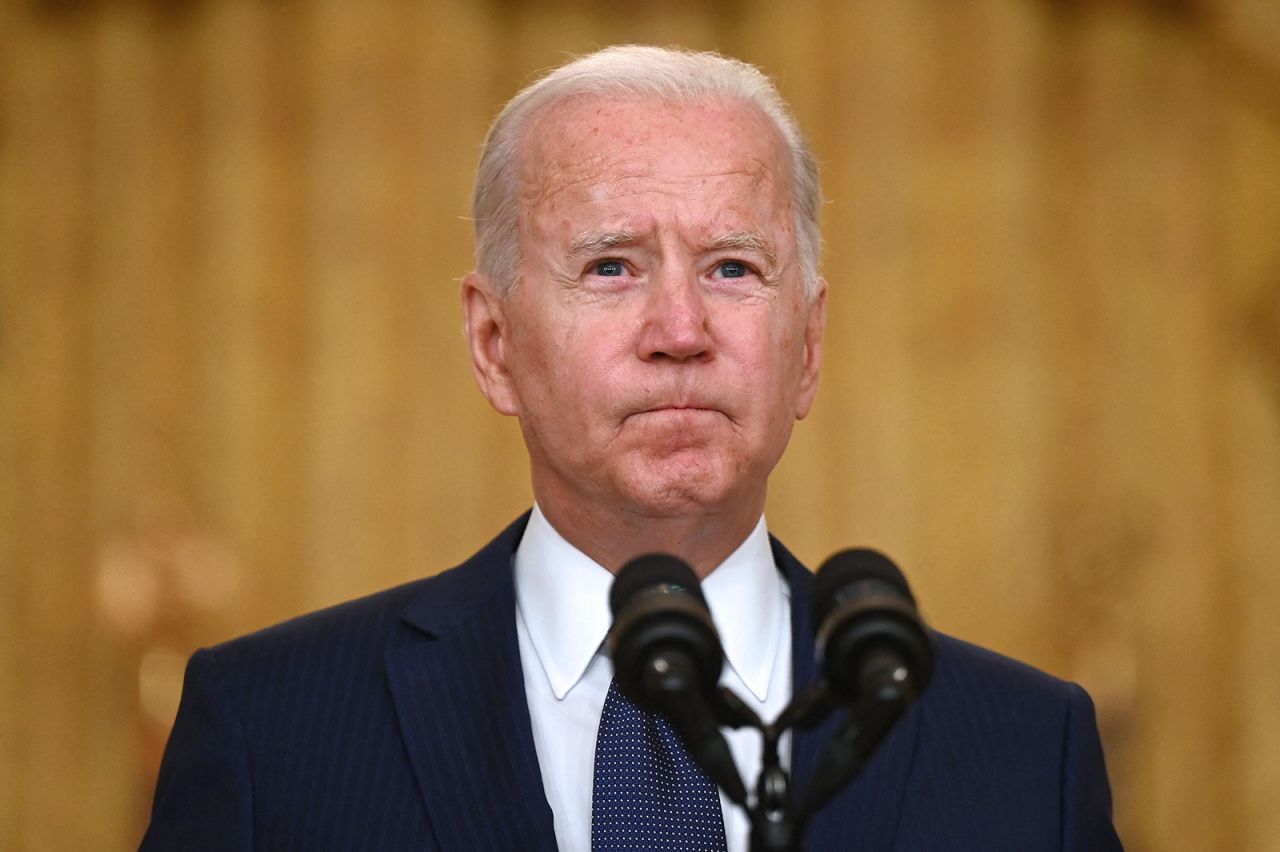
(648, 793)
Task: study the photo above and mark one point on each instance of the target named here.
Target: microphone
(868, 627)
(667, 658)
(875, 655)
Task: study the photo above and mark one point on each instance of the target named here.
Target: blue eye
(733, 269)
(609, 269)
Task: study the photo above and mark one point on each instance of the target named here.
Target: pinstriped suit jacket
(399, 722)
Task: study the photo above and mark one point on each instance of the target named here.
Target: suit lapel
(865, 814)
(454, 673)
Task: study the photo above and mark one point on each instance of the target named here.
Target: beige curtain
(233, 386)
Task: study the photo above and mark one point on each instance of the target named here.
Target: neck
(614, 536)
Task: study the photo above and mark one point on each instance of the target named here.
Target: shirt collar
(563, 596)
(747, 599)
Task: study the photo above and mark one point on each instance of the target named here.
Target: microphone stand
(774, 827)
(778, 820)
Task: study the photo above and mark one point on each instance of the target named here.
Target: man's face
(658, 346)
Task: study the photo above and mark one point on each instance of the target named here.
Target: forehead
(593, 148)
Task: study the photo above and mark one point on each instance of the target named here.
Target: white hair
(633, 71)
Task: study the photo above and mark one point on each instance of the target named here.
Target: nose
(676, 323)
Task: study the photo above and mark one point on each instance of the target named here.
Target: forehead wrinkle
(544, 178)
(547, 160)
(543, 185)
(545, 174)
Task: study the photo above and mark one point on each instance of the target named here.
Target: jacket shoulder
(1002, 748)
(963, 665)
(355, 624)
(1013, 713)
(370, 623)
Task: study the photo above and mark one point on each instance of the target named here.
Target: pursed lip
(681, 408)
(677, 409)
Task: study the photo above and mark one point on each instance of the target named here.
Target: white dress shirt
(562, 616)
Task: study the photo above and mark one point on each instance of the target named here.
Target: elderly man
(647, 303)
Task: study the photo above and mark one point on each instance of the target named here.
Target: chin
(682, 492)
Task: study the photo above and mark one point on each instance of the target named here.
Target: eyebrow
(591, 243)
(595, 242)
(748, 241)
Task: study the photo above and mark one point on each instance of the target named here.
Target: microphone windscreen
(654, 569)
(854, 566)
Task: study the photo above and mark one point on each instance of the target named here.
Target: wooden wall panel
(46, 365)
(249, 274)
(1250, 466)
(233, 385)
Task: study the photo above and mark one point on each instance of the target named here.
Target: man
(647, 303)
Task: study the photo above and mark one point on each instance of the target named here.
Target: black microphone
(875, 655)
(667, 658)
(868, 627)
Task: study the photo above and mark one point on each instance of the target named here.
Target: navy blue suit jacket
(399, 722)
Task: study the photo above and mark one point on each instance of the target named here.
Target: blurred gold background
(233, 385)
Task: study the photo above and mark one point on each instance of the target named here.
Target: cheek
(782, 367)
(531, 359)
(559, 374)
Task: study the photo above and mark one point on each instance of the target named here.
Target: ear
(485, 324)
(815, 325)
